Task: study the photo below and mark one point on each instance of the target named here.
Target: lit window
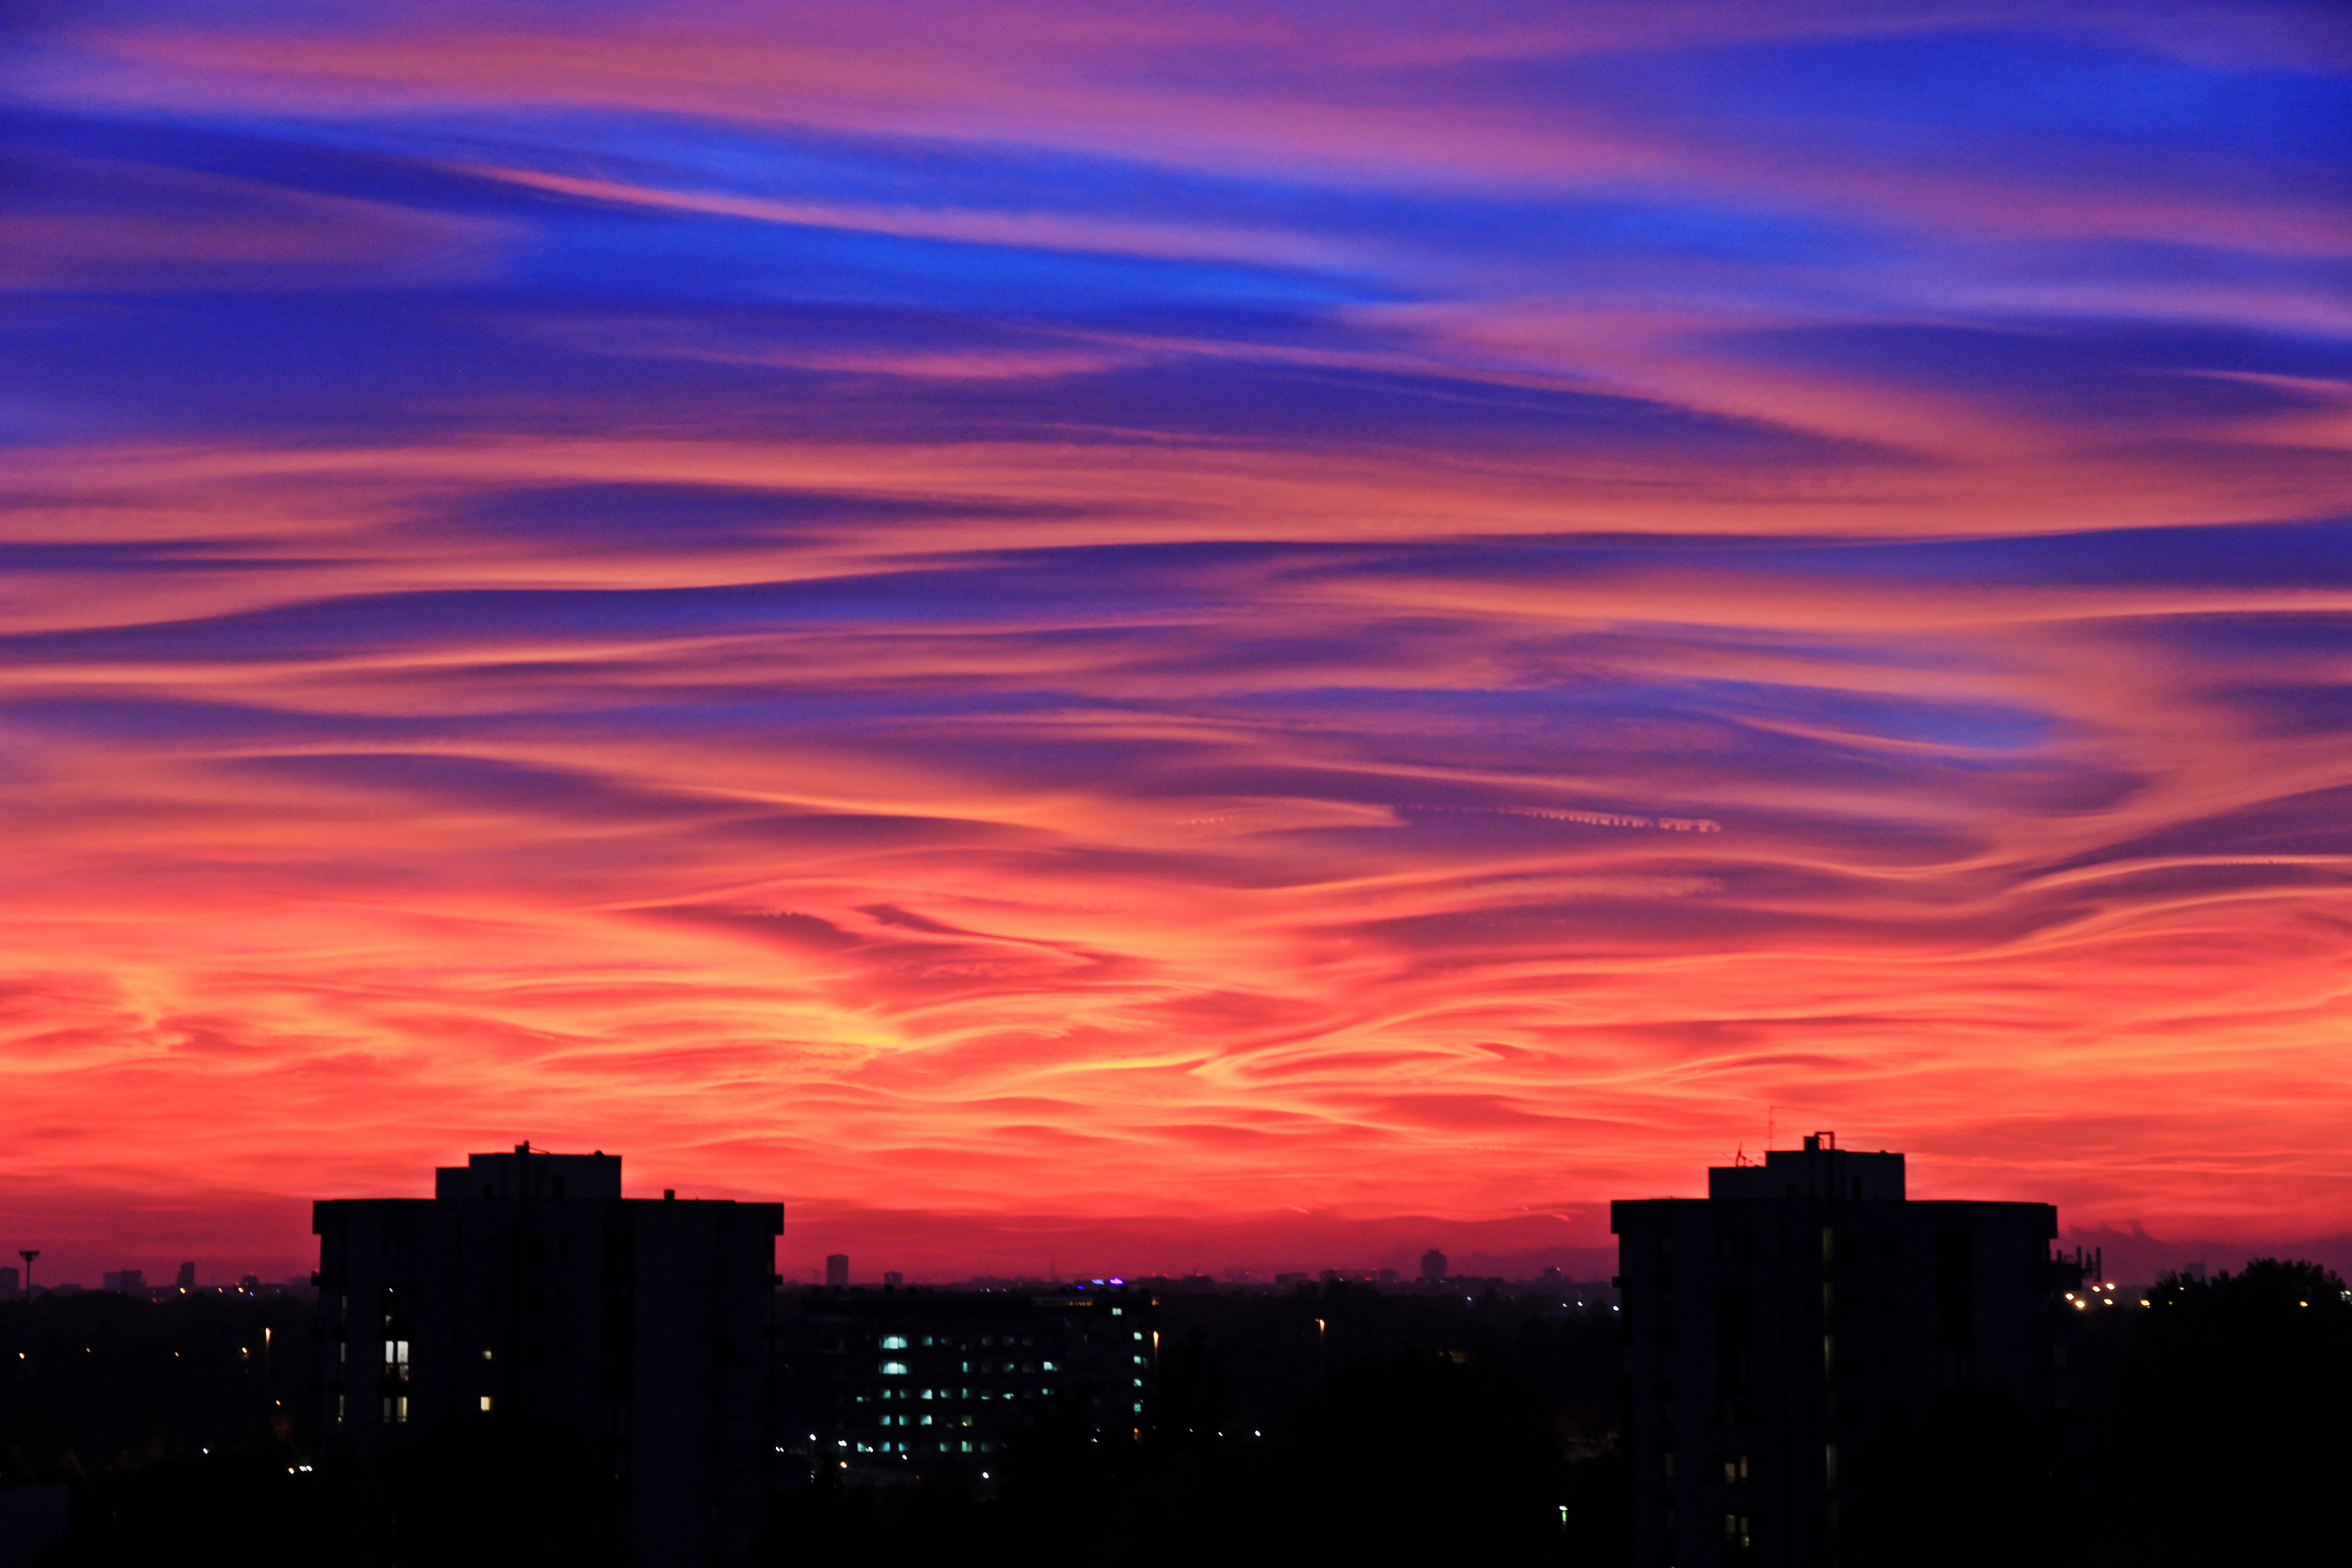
(339, 1409)
(1049, 1367)
(894, 1369)
(894, 1342)
(395, 1357)
(486, 1402)
(395, 1409)
(486, 1353)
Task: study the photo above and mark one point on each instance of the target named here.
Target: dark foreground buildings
(1791, 1336)
(529, 1297)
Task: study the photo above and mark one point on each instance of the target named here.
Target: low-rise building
(901, 1381)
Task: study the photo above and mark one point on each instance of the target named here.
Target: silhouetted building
(1359, 1277)
(1433, 1265)
(528, 1295)
(1788, 1333)
(188, 1276)
(836, 1269)
(129, 1281)
(924, 1379)
(12, 1284)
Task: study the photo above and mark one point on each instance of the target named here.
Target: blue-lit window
(894, 1369)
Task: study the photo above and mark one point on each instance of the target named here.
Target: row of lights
(2108, 1299)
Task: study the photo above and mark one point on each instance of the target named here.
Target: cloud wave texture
(1093, 614)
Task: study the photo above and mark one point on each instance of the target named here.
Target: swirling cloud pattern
(1189, 629)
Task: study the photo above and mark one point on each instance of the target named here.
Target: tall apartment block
(1787, 1333)
(528, 1293)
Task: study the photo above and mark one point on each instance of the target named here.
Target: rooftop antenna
(1768, 1127)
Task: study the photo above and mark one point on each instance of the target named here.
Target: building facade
(528, 1294)
(910, 1382)
(1788, 1336)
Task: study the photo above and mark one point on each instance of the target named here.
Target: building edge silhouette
(528, 1302)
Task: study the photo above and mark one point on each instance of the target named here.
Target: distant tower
(188, 1279)
(836, 1268)
(1433, 1265)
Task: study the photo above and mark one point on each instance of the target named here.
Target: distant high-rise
(526, 1294)
(1790, 1335)
(187, 1277)
(892, 1277)
(836, 1268)
(129, 1281)
(12, 1284)
(1433, 1265)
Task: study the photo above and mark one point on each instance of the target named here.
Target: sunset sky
(1173, 637)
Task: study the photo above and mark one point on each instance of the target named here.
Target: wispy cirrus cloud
(1035, 607)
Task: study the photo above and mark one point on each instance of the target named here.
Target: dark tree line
(2226, 1434)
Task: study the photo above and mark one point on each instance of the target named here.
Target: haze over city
(1168, 638)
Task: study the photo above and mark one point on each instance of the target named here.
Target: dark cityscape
(1804, 1367)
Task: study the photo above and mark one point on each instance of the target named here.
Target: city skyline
(1203, 638)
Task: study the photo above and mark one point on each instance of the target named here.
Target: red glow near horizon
(1173, 642)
